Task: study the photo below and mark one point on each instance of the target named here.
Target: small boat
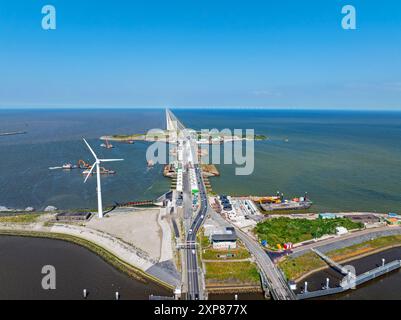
(151, 163)
(68, 166)
(102, 171)
(107, 145)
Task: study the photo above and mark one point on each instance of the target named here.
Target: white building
(341, 230)
(224, 241)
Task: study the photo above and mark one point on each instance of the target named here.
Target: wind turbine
(99, 188)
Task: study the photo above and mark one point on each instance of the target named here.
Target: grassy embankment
(295, 268)
(221, 272)
(281, 230)
(126, 137)
(238, 273)
(19, 218)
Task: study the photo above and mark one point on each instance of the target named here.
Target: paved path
(346, 240)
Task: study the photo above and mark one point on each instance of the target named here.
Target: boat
(107, 145)
(102, 171)
(286, 205)
(151, 163)
(68, 166)
(279, 203)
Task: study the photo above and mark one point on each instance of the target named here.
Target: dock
(349, 283)
(331, 262)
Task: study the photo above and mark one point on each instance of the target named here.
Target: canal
(387, 287)
(77, 268)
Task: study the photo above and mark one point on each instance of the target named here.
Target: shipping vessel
(279, 203)
(107, 145)
(102, 171)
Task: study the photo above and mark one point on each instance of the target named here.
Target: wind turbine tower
(99, 187)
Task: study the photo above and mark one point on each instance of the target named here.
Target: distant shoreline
(12, 133)
(206, 108)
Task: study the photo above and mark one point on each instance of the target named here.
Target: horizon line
(64, 107)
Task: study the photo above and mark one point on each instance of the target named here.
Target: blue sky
(274, 54)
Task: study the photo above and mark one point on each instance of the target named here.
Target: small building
(224, 241)
(227, 240)
(327, 215)
(364, 218)
(341, 230)
(73, 216)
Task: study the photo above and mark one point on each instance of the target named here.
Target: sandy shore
(138, 227)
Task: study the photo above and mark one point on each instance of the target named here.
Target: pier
(348, 284)
(331, 262)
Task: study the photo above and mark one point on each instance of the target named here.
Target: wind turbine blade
(93, 152)
(90, 172)
(110, 160)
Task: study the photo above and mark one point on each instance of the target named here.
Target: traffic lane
(189, 268)
(267, 266)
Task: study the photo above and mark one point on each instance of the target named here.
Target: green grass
(365, 247)
(260, 137)
(204, 241)
(281, 230)
(232, 272)
(212, 254)
(21, 218)
(226, 272)
(128, 136)
(293, 268)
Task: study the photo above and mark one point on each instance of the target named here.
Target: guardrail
(347, 285)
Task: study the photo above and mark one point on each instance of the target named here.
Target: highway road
(276, 282)
(279, 288)
(192, 225)
(194, 288)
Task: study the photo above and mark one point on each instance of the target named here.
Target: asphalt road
(276, 282)
(194, 290)
(346, 240)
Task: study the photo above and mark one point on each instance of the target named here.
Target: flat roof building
(227, 240)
